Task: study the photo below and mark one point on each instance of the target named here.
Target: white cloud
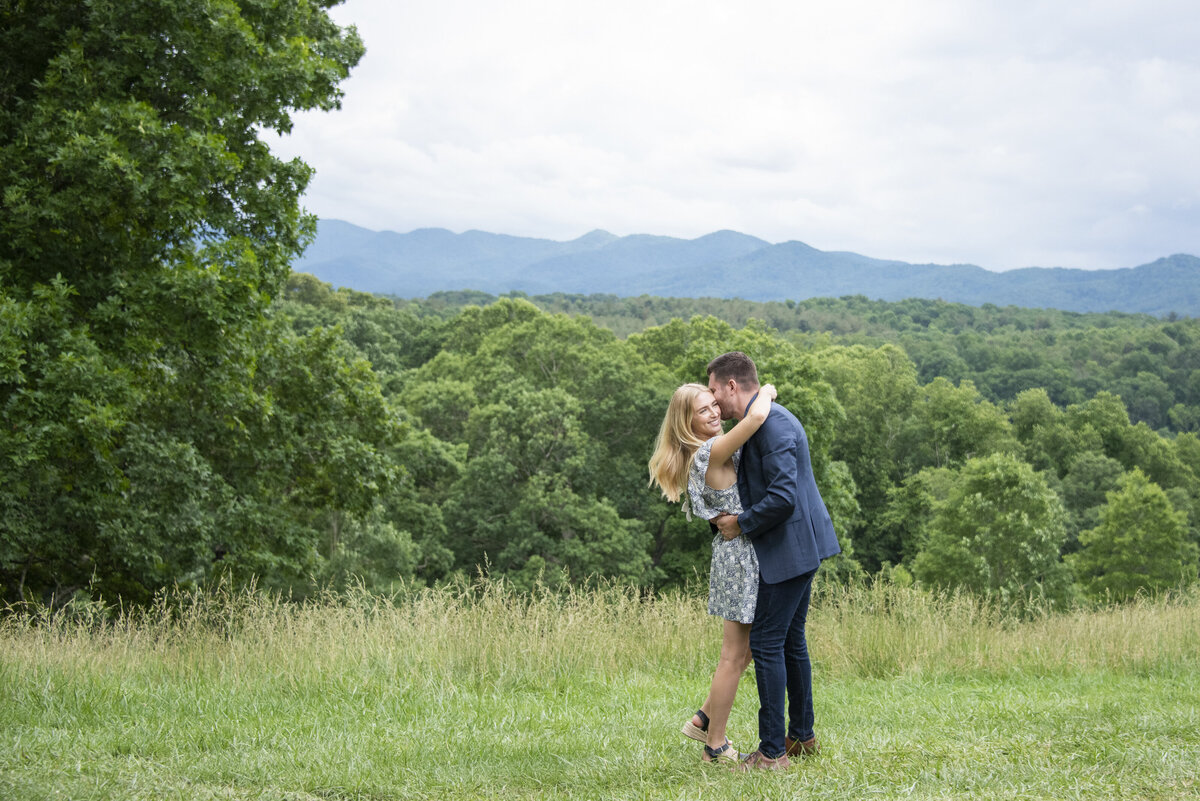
(1002, 134)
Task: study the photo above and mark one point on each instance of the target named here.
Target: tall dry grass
(878, 629)
(488, 633)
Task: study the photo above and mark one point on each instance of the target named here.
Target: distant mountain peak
(720, 264)
(727, 235)
(797, 245)
(596, 237)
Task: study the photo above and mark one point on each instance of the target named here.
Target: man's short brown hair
(735, 365)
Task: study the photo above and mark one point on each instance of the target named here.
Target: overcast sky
(999, 133)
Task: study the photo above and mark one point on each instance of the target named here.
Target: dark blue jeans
(781, 664)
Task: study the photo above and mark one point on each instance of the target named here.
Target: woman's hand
(725, 444)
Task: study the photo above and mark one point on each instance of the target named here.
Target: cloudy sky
(1003, 134)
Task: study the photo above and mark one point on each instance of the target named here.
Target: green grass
(487, 694)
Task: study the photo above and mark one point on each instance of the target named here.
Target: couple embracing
(755, 486)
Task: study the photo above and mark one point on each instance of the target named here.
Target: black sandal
(698, 733)
(726, 753)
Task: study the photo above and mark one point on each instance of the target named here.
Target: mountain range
(722, 264)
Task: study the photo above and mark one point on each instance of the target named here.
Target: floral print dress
(733, 576)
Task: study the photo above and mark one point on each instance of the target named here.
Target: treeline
(850, 315)
(1152, 363)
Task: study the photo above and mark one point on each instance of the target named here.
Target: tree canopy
(998, 532)
(1140, 543)
(157, 419)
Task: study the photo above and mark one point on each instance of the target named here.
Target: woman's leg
(735, 657)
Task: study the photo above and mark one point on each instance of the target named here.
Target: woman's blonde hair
(676, 443)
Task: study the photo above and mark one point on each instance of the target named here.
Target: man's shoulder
(780, 413)
(781, 423)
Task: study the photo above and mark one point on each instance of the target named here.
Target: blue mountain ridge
(722, 264)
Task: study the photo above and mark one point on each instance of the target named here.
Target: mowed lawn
(483, 693)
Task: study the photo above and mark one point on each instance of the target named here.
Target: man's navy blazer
(784, 516)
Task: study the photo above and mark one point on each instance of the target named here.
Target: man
(789, 527)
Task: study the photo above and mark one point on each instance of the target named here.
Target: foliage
(1152, 363)
(1139, 544)
(950, 424)
(159, 424)
(877, 389)
(903, 526)
(1084, 489)
(998, 533)
(534, 430)
(553, 456)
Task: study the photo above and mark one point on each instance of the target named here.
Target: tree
(1038, 424)
(1090, 477)
(556, 418)
(876, 388)
(1148, 398)
(1105, 414)
(904, 524)
(950, 424)
(1032, 410)
(145, 229)
(129, 144)
(998, 533)
(1140, 543)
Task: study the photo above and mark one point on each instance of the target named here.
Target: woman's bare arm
(725, 444)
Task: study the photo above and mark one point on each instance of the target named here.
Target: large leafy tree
(1140, 543)
(951, 424)
(131, 143)
(997, 533)
(145, 229)
(556, 419)
(877, 389)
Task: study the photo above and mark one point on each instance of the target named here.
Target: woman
(691, 453)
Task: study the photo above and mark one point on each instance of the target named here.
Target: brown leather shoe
(759, 761)
(802, 747)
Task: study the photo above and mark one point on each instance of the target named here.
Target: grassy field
(480, 693)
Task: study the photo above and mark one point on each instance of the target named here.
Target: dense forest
(543, 421)
(1151, 363)
(179, 407)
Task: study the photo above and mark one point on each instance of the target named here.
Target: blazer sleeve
(781, 476)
